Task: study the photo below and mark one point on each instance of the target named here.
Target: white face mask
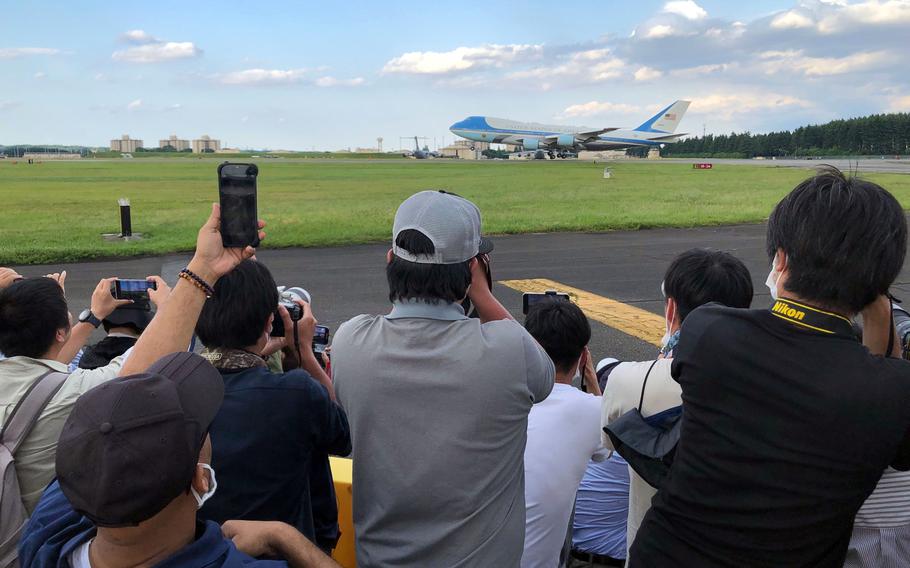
(773, 278)
(576, 378)
(213, 485)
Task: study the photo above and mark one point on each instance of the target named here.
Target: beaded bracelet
(198, 282)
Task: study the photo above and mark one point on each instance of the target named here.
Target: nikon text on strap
(807, 317)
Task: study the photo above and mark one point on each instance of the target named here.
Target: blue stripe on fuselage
(496, 136)
(478, 126)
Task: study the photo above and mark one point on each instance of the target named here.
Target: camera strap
(807, 317)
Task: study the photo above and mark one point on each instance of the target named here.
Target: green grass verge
(55, 212)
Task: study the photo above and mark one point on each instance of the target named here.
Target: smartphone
(529, 299)
(237, 195)
(320, 338)
(135, 290)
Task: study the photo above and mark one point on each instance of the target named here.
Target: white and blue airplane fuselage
(658, 130)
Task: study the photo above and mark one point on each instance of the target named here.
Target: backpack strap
(25, 415)
(644, 384)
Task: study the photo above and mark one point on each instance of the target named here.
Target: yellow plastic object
(343, 473)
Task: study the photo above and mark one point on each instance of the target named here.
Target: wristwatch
(88, 317)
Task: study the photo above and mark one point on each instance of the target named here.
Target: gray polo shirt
(438, 406)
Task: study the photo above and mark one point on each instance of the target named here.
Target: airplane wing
(580, 137)
(593, 133)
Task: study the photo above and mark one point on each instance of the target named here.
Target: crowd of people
(776, 436)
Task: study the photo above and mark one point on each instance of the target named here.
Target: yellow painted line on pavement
(628, 319)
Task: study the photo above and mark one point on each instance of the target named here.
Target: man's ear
(201, 481)
(388, 257)
(62, 335)
(780, 260)
(673, 314)
(269, 323)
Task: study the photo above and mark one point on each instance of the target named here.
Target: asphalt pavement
(627, 266)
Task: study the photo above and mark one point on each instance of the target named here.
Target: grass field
(57, 211)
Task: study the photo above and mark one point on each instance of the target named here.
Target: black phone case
(225, 241)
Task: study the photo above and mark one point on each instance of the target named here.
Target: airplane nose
(457, 126)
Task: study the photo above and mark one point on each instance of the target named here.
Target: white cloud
(745, 102)
(660, 31)
(700, 70)
(284, 77)
(900, 104)
(175, 106)
(844, 16)
(135, 105)
(647, 74)
(329, 81)
(460, 59)
(595, 108)
(138, 36)
(685, 8)
(9, 105)
(790, 61)
(263, 77)
(158, 52)
(14, 52)
(791, 20)
(592, 65)
(40, 75)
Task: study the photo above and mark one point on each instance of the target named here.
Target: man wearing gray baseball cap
(437, 402)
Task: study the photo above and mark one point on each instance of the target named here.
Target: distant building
(206, 144)
(126, 144)
(367, 150)
(175, 143)
(464, 149)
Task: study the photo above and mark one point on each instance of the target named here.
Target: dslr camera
(287, 297)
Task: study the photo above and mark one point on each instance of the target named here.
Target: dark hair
(699, 276)
(31, 312)
(845, 240)
(562, 330)
(430, 282)
(235, 316)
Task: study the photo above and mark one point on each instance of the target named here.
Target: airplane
(654, 132)
(420, 154)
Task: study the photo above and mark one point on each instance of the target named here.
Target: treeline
(875, 135)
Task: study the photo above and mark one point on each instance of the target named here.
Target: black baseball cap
(129, 316)
(130, 446)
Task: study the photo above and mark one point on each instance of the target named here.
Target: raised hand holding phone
(237, 197)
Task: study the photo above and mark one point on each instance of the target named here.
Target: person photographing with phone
(563, 430)
(34, 326)
(126, 323)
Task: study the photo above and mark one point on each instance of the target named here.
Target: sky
(299, 75)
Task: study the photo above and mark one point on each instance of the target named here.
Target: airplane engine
(565, 141)
(531, 144)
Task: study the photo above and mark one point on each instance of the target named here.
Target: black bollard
(126, 225)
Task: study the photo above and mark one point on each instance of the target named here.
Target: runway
(623, 266)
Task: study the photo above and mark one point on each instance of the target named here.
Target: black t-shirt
(787, 427)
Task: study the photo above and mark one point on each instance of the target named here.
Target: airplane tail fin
(666, 120)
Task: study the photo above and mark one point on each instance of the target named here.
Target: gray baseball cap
(451, 222)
